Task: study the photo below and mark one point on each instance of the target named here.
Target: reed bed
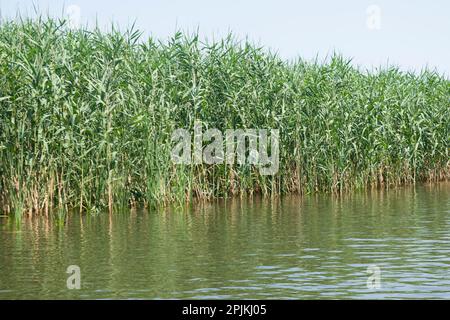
(86, 119)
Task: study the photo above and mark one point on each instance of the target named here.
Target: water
(293, 248)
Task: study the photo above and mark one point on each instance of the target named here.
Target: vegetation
(86, 119)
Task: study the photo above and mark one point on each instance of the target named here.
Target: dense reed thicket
(86, 119)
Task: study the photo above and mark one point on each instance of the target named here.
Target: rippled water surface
(310, 247)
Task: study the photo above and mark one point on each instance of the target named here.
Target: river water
(378, 244)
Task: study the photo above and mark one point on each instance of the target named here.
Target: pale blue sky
(412, 34)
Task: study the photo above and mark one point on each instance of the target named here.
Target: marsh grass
(86, 119)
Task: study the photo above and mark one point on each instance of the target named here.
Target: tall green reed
(86, 119)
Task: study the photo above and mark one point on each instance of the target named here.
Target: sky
(411, 34)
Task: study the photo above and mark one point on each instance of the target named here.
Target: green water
(310, 247)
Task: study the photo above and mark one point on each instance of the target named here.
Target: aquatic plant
(86, 119)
